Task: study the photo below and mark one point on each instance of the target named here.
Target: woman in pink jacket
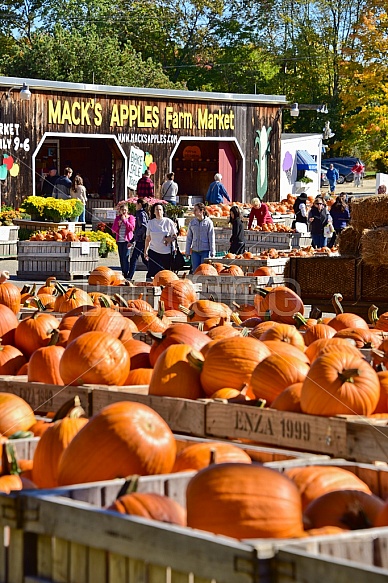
(123, 226)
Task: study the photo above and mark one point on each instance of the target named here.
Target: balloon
(15, 170)
(152, 167)
(3, 172)
(287, 162)
(148, 159)
(144, 167)
(8, 161)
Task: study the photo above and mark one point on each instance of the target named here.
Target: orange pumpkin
(177, 293)
(317, 332)
(35, 332)
(70, 299)
(177, 373)
(289, 399)
(8, 324)
(177, 334)
(15, 414)
(340, 383)
(101, 275)
(274, 374)
(282, 303)
(10, 295)
(314, 349)
(284, 333)
(43, 366)
(268, 503)
(48, 287)
(139, 376)
(206, 269)
(139, 354)
(363, 337)
(164, 277)
(104, 320)
(200, 455)
(141, 441)
(348, 320)
(94, 358)
(11, 360)
(150, 506)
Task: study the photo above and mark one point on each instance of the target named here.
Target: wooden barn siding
(32, 117)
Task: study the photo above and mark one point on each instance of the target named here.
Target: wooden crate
(251, 265)
(321, 277)
(64, 260)
(8, 249)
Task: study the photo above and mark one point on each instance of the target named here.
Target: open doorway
(194, 162)
(100, 160)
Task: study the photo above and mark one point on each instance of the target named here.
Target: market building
(110, 135)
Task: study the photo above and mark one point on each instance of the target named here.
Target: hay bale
(374, 246)
(349, 242)
(369, 212)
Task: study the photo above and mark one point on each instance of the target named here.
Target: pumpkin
(241, 356)
(149, 321)
(70, 299)
(177, 334)
(177, 373)
(122, 439)
(202, 310)
(43, 366)
(248, 312)
(15, 414)
(223, 331)
(8, 324)
(264, 272)
(94, 358)
(177, 293)
(381, 519)
(289, 399)
(139, 305)
(206, 269)
(218, 266)
(23, 370)
(315, 481)
(314, 349)
(348, 320)
(39, 427)
(285, 333)
(382, 322)
(101, 275)
(163, 277)
(352, 509)
(11, 360)
(316, 332)
(363, 337)
(139, 354)
(200, 455)
(274, 374)
(104, 320)
(340, 383)
(258, 330)
(150, 506)
(232, 395)
(35, 332)
(139, 376)
(382, 405)
(285, 349)
(263, 502)
(49, 287)
(281, 302)
(100, 300)
(45, 300)
(50, 448)
(10, 295)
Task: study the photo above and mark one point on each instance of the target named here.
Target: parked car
(348, 161)
(345, 174)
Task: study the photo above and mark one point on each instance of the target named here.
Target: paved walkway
(368, 187)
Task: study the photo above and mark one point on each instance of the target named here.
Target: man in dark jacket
(139, 235)
(63, 185)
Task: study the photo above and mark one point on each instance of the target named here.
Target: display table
(63, 260)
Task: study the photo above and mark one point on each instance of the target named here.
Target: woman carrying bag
(160, 234)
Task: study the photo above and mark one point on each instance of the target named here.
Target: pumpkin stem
(261, 403)
(236, 318)
(194, 359)
(25, 289)
(315, 313)
(336, 303)
(4, 275)
(140, 297)
(38, 301)
(71, 408)
(129, 487)
(158, 336)
(60, 289)
(161, 307)
(54, 337)
(267, 316)
(347, 376)
(103, 301)
(236, 305)
(9, 461)
(51, 281)
(120, 301)
(261, 291)
(201, 326)
(373, 314)
(189, 313)
(299, 320)
(244, 389)
(245, 332)
(213, 456)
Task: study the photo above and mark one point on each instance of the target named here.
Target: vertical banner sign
(135, 170)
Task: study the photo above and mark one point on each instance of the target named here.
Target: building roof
(289, 136)
(133, 92)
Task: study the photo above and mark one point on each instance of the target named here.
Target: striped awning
(304, 161)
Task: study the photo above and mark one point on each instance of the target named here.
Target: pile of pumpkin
(273, 228)
(58, 236)
(303, 501)
(272, 253)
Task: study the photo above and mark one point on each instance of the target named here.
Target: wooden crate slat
(294, 430)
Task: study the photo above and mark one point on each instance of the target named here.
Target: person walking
(139, 236)
(237, 240)
(161, 233)
(341, 216)
(200, 238)
(170, 189)
(123, 226)
(217, 191)
(145, 186)
(49, 182)
(63, 184)
(332, 175)
(260, 212)
(78, 191)
(318, 218)
(300, 210)
(358, 172)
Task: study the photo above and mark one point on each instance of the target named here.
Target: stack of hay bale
(367, 235)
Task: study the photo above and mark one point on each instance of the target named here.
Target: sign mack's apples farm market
(96, 129)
